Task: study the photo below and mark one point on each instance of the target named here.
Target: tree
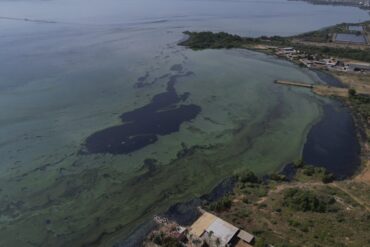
(248, 177)
(352, 92)
(260, 242)
(304, 200)
(328, 177)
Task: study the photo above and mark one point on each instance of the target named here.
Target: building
(330, 62)
(286, 51)
(358, 67)
(216, 231)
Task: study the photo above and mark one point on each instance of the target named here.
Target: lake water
(72, 70)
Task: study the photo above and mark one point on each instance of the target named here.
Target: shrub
(298, 163)
(328, 177)
(278, 177)
(248, 177)
(351, 92)
(260, 242)
(304, 200)
(221, 205)
(309, 171)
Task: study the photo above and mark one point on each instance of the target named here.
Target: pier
(294, 83)
(323, 90)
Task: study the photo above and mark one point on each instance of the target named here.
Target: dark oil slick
(332, 142)
(141, 127)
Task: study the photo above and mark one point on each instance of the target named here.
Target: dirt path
(302, 185)
(364, 176)
(285, 186)
(355, 198)
(330, 44)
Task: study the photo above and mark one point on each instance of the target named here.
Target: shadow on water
(332, 142)
(141, 127)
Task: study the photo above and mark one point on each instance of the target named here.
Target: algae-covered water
(106, 122)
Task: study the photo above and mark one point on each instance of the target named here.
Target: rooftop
(355, 28)
(202, 223)
(350, 38)
(247, 237)
(222, 230)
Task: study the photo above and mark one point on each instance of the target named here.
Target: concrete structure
(330, 62)
(287, 50)
(246, 237)
(222, 230)
(294, 83)
(355, 28)
(358, 67)
(349, 38)
(213, 229)
(202, 223)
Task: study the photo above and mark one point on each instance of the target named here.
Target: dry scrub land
(303, 212)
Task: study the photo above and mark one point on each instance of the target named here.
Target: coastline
(184, 213)
(177, 211)
(364, 165)
(362, 173)
(331, 80)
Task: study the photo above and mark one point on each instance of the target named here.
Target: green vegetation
(351, 92)
(323, 35)
(161, 239)
(303, 212)
(350, 53)
(248, 177)
(361, 103)
(221, 205)
(209, 40)
(278, 177)
(204, 40)
(308, 173)
(305, 200)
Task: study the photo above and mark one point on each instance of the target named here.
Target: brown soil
(360, 82)
(330, 91)
(364, 176)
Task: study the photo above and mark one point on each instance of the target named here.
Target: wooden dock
(294, 83)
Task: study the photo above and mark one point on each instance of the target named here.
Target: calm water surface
(70, 69)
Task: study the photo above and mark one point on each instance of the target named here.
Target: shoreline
(363, 171)
(364, 154)
(188, 209)
(176, 211)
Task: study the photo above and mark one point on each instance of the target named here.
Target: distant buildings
(358, 67)
(359, 3)
(318, 62)
(356, 35)
(350, 38)
(286, 51)
(208, 230)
